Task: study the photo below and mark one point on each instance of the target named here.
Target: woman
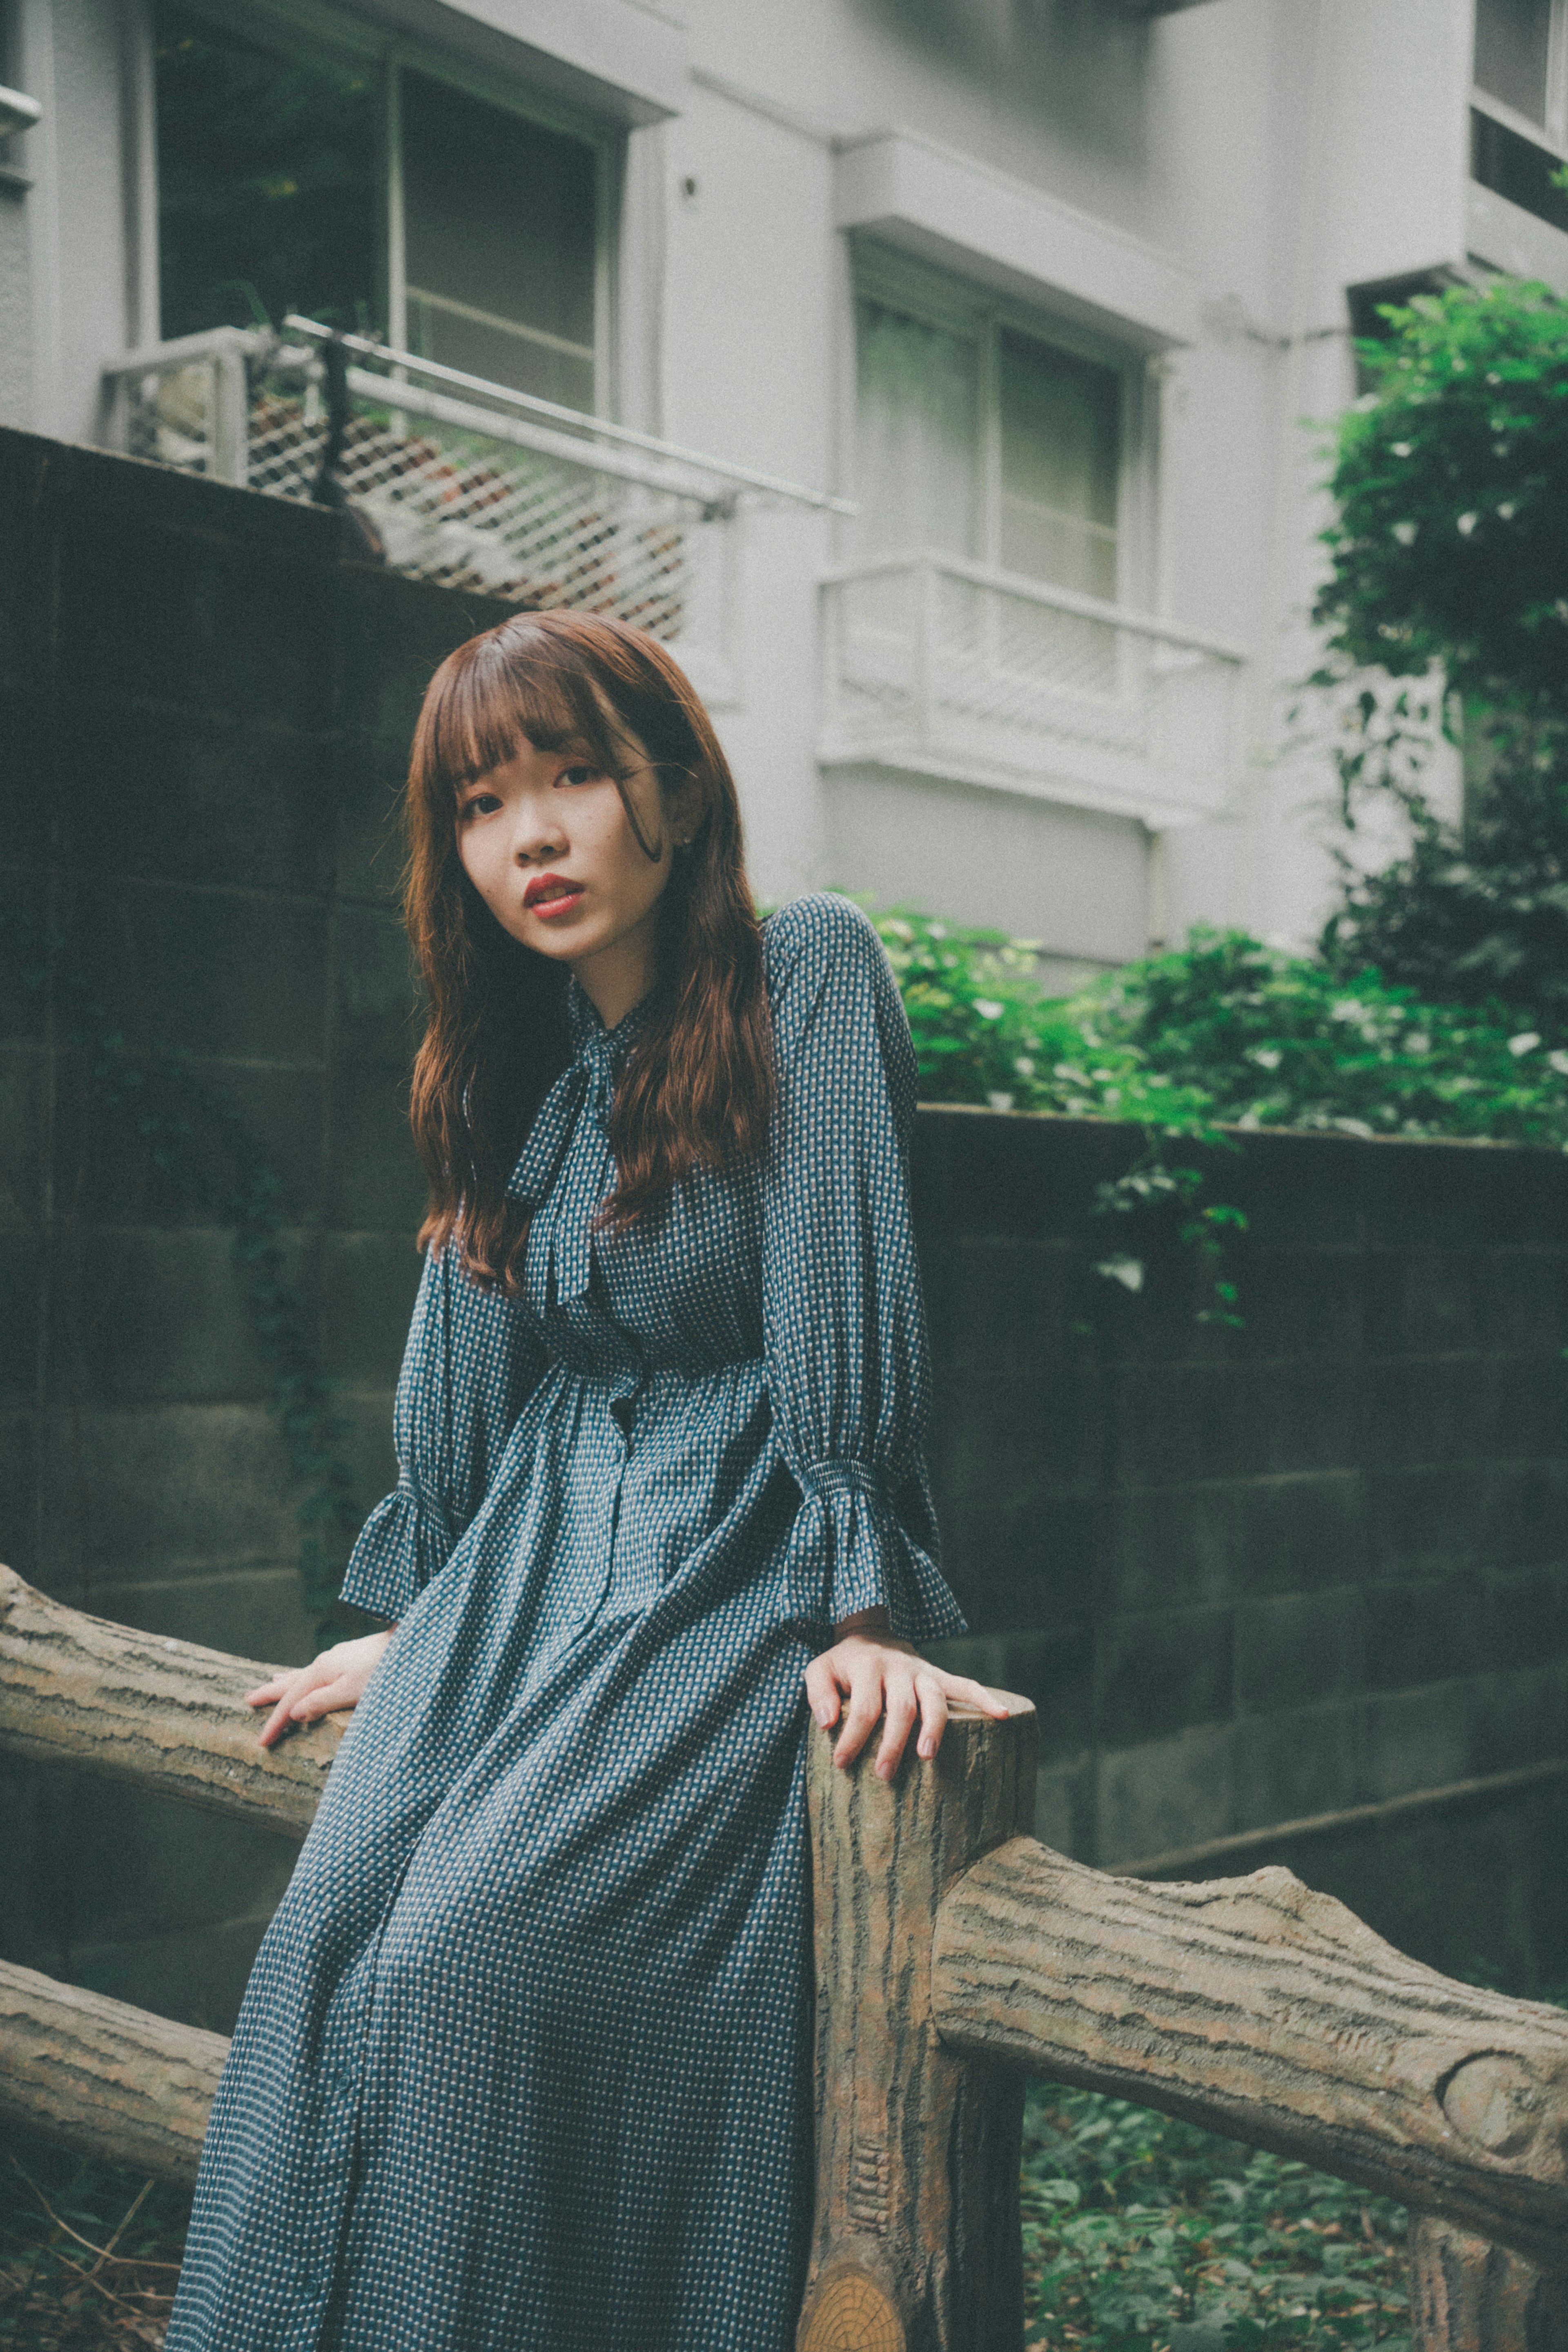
(522, 2064)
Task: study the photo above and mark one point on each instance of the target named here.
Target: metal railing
(456, 479)
(940, 666)
(953, 1954)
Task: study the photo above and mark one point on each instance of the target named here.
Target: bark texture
(169, 1715)
(1256, 2008)
(111, 2080)
(916, 2241)
(1468, 2296)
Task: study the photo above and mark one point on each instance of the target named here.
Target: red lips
(551, 894)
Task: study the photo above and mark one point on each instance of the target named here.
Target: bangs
(505, 688)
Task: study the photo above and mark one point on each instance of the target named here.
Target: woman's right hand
(338, 1678)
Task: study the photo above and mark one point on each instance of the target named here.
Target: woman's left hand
(884, 1677)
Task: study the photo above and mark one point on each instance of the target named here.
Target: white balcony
(461, 481)
(940, 668)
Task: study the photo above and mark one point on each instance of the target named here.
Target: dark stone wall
(1314, 1567)
(1311, 1568)
(204, 718)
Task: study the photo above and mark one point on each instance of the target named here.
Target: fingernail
(824, 1716)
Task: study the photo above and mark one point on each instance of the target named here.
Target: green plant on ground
(1135, 2225)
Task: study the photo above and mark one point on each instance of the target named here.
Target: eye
(581, 772)
(478, 804)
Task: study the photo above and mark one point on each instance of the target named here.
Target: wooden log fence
(953, 1955)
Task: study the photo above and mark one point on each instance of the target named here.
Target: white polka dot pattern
(523, 2064)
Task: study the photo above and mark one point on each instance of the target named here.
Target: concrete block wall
(205, 717)
(1314, 1572)
(1311, 1573)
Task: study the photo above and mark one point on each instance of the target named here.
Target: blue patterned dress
(523, 2064)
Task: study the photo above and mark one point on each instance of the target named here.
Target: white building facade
(939, 377)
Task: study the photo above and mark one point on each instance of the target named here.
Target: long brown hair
(696, 1087)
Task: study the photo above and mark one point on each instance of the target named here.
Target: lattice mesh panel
(980, 678)
(453, 504)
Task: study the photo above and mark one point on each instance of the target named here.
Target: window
(980, 435)
(369, 192)
(1518, 118)
(500, 221)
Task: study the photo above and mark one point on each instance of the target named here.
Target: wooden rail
(143, 1707)
(953, 1954)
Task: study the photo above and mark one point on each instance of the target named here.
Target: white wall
(15, 307)
(1263, 154)
(1071, 879)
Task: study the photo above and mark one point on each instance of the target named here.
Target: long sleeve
(843, 1320)
(470, 1363)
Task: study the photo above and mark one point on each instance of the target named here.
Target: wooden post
(916, 2239)
(1469, 2296)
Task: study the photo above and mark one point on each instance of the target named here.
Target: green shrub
(1222, 1032)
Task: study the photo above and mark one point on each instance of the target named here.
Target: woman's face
(545, 841)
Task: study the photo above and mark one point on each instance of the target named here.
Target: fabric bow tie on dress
(567, 1162)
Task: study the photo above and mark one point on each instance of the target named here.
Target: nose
(538, 834)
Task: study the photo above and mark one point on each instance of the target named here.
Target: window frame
(306, 25)
(899, 281)
(1553, 134)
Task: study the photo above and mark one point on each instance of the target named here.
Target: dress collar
(590, 1040)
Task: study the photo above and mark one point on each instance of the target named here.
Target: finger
(266, 1693)
(900, 1712)
(932, 1714)
(276, 1723)
(974, 1693)
(291, 1688)
(822, 1690)
(865, 1705)
(323, 1700)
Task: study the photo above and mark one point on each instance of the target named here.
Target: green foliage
(207, 1159)
(985, 1032)
(1479, 915)
(1134, 2224)
(1274, 1040)
(1450, 482)
(1222, 1032)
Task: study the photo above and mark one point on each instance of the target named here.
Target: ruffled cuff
(853, 1552)
(403, 1544)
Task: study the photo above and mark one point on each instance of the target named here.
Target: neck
(616, 977)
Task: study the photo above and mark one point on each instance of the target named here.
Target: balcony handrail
(1025, 591)
(600, 428)
(206, 343)
(953, 1951)
(583, 443)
